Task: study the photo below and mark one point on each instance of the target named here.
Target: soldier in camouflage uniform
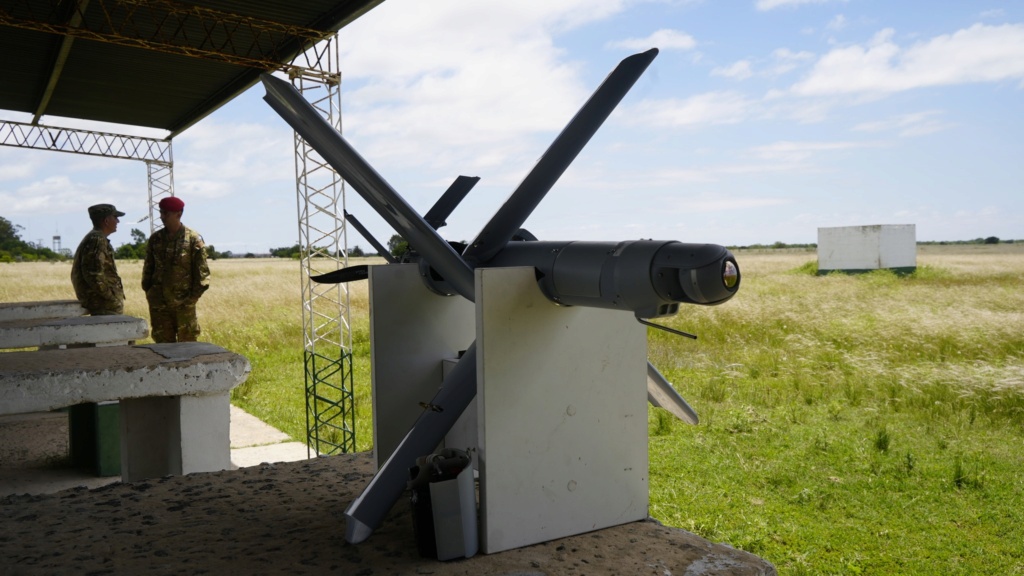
(174, 276)
(94, 274)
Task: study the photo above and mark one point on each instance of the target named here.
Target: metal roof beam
(173, 28)
(21, 135)
(62, 57)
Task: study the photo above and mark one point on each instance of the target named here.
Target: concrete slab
(39, 332)
(40, 309)
(254, 442)
(49, 379)
(248, 430)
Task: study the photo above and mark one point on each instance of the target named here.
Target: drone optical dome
(730, 274)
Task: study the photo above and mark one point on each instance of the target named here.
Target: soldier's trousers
(174, 324)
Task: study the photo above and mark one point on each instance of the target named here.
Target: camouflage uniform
(94, 275)
(174, 276)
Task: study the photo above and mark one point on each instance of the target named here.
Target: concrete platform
(34, 451)
(287, 518)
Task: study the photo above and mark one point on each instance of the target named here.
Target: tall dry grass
(952, 329)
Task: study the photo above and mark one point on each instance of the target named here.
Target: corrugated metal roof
(126, 60)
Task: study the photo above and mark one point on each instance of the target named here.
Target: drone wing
(521, 203)
(308, 123)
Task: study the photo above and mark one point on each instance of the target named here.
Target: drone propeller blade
(511, 216)
(381, 250)
(319, 134)
(661, 394)
(444, 206)
(342, 275)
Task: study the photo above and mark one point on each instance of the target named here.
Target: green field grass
(869, 424)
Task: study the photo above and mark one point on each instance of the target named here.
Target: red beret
(172, 204)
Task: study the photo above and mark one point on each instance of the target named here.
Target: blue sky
(759, 121)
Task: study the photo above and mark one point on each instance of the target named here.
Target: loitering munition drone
(647, 277)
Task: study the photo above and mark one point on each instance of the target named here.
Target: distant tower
(56, 244)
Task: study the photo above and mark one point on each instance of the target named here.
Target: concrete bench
(41, 309)
(93, 428)
(174, 398)
(73, 331)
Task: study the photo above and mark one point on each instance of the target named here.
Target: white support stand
(175, 435)
(562, 408)
(561, 405)
(411, 331)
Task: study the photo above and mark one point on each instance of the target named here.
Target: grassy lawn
(868, 424)
(853, 424)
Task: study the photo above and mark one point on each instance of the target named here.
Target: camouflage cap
(103, 210)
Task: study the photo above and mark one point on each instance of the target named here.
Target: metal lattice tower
(161, 185)
(320, 193)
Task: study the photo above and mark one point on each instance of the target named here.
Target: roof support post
(320, 197)
(160, 175)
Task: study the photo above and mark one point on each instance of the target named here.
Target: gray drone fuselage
(647, 277)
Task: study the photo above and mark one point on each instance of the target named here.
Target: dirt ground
(288, 518)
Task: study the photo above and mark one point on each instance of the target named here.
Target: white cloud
(710, 108)
(219, 158)
(18, 166)
(916, 124)
(837, 23)
(739, 70)
(785, 60)
(408, 38)
(977, 54)
(663, 39)
(418, 95)
(58, 194)
(705, 205)
(765, 5)
(787, 151)
(782, 61)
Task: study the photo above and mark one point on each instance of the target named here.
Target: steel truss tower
(320, 194)
(161, 185)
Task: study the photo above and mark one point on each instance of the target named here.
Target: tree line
(14, 249)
